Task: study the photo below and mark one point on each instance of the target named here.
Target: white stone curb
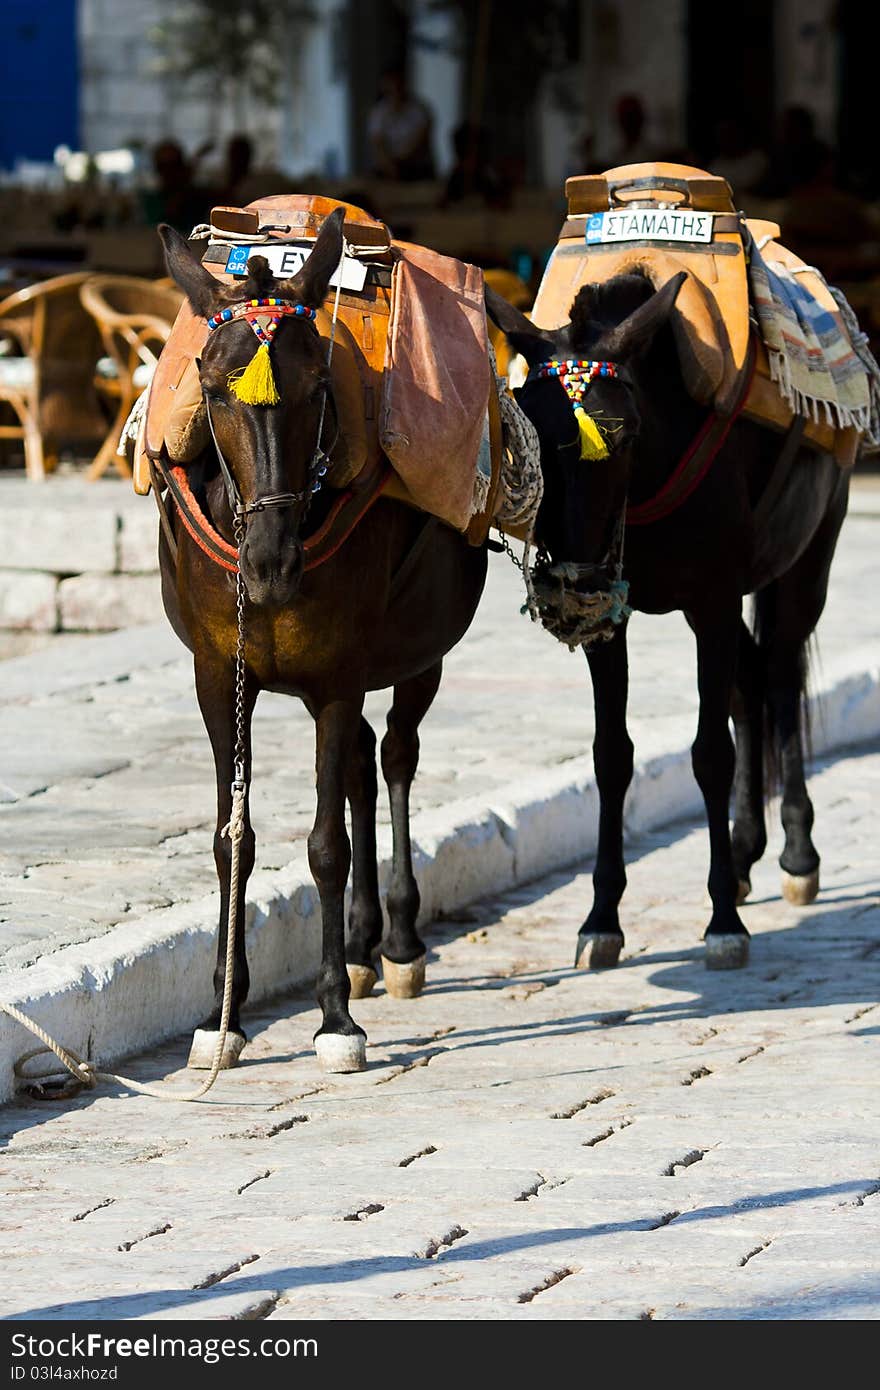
(148, 980)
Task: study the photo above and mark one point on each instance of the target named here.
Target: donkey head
(582, 395)
(272, 451)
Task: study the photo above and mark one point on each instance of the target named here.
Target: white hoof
(727, 951)
(362, 978)
(404, 981)
(339, 1052)
(204, 1045)
(743, 889)
(598, 950)
(800, 889)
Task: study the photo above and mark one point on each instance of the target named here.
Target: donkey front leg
(713, 760)
(403, 951)
(365, 913)
(339, 1043)
(600, 939)
(749, 835)
(215, 687)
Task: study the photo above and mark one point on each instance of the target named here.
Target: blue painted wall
(38, 78)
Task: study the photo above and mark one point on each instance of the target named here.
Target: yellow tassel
(255, 385)
(593, 445)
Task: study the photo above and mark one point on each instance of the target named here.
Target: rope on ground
(84, 1073)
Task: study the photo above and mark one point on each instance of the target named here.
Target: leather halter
(697, 458)
(271, 311)
(318, 466)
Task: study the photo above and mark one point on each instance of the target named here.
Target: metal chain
(238, 780)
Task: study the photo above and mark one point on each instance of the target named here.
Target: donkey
(383, 610)
(701, 559)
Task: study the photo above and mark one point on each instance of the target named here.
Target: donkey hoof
(362, 979)
(727, 951)
(598, 950)
(204, 1046)
(743, 889)
(404, 981)
(339, 1052)
(800, 889)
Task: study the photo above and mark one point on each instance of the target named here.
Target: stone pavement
(106, 779)
(529, 1142)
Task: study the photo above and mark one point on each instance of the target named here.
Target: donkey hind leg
(749, 835)
(712, 757)
(215, 688)
(403, 951)
(799, 859)
(365, 913)
(786, 615)
(600, 939)
(339, 1043)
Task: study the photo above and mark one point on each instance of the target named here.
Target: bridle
(576, 617)
(576, 375)
(263, 316)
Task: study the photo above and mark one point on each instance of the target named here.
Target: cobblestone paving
(107, 785)
(528, 1143)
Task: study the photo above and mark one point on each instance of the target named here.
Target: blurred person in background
(399, 127)
(630, 145)
(736, 157)
(176, 198)
(797, 154)
(473, 175)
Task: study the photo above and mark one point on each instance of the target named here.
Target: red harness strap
(348, 509)
(695, 462)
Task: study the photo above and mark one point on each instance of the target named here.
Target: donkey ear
(198, 284)
(519, 331)
(634, 336)
(309, 285)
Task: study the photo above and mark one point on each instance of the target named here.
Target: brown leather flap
(679, 184)
(436, 381)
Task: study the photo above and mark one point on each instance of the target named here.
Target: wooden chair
(134, 319)
(46, 380)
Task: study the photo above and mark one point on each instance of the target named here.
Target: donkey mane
(603, 306)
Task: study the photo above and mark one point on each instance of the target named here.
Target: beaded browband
(576, 375)
(255, 384)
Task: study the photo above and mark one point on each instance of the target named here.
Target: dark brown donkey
(356, 622)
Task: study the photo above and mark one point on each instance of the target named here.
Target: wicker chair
(48, 348)
(134, 319)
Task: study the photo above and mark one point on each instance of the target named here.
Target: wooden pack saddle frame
(724, 362)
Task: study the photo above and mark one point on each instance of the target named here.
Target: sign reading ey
(285, 261)
(649, 224)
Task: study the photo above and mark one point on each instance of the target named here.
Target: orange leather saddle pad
(371, 414)
(711, 321)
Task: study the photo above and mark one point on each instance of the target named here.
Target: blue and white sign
(648, 224)
(285, 260)
(236, 263)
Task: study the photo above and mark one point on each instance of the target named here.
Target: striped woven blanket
(819, 359)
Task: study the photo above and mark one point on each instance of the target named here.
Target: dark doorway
(730, 72)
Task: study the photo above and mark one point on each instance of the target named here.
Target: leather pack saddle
(711, 320)
(379, 364)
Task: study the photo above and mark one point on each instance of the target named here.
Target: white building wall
(125, 99)
(314, 119)
(436, 73)
(634, 46)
